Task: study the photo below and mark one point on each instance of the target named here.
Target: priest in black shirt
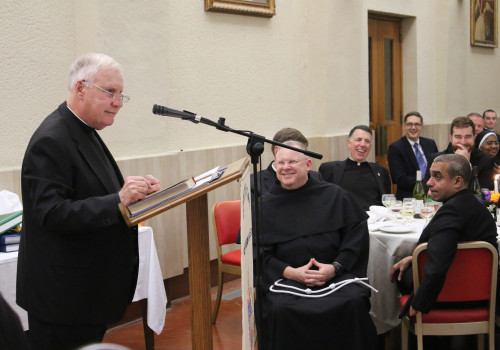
(366, 182)
(313, 234)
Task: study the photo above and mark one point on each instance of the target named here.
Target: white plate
(397, 229)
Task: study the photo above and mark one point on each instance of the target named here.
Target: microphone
(184, 115)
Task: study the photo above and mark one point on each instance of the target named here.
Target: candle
(496, 182)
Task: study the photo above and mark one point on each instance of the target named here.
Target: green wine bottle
(418, 190)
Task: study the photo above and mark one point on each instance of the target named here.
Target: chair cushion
(456, 315)
(232, 258)
(475, 314)
(403, 299)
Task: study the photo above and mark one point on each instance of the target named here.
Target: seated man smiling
(365, 181)
(313, 235)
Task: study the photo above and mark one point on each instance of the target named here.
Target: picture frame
(484, 23)
(262, 8)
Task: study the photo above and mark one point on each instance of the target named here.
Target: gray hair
(459, 166)
(361, 127)
(87, 66)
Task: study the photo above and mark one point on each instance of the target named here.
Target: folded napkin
(378, 213)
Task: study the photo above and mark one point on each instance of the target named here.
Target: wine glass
(388, 200)
(408, 208)
(396, 206)
(427, 212)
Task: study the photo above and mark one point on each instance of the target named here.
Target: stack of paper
(9, 240)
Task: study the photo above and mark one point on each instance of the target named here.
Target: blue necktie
(420, 159)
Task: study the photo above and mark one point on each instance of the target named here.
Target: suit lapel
(426, 146)
(337, 175)
(88, 151)
(378, 176)
(410, 154)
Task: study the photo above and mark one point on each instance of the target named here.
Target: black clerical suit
(485, 166)
(334, 172)
(403, 163)
(77, 258)
(318, 220)
(461, 218)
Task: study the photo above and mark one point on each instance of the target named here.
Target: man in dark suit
(409, 154)
(462, 132)
(78, 260)
(461, 218)
(366, 182)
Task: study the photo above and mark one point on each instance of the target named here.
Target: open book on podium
(182, 192)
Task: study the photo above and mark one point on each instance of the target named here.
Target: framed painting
(263, 8)
(484, 23)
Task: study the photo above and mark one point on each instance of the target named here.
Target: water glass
(388, 200)
(427, 211)
(408, 208)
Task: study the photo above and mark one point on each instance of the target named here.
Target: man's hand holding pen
(138, 187)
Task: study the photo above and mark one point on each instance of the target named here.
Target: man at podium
(313, 234)
(78, 260)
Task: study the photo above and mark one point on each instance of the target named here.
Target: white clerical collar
(355, 161)
(272, 164)
(78, 117)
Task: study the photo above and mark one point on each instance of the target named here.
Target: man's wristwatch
(339, 270)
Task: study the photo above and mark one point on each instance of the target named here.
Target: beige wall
(306, 67)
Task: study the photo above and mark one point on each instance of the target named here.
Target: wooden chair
(472, 277)
(226, 219)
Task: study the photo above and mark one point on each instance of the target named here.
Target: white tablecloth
(8, 273)
(149, 282)
(385, 250)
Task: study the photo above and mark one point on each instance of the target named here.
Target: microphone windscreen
(157, 109)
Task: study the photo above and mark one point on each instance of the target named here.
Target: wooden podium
(198, 249)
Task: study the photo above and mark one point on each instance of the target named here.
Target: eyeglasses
(289, 162)
(114, 95)
(411, 125)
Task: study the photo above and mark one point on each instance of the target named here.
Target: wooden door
(384, 49)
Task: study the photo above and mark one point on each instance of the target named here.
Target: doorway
(385, 81)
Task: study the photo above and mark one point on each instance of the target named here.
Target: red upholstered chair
(472, 276)
(226, 219)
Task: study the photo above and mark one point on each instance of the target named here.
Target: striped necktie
(420, 158)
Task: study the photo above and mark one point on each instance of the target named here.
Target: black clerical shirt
(359, 181)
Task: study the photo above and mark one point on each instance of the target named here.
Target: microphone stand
(255, 148)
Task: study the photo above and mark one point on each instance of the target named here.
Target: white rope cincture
(309, 293)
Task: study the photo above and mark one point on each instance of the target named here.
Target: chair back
(227, 221)
(472, 274)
